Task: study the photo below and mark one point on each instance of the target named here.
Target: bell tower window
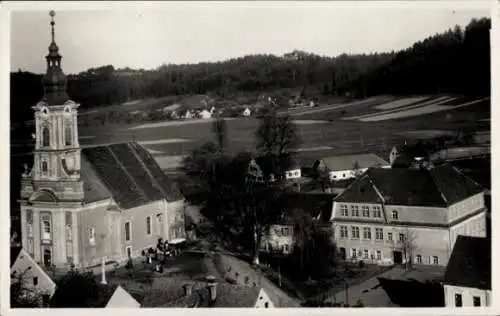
(45, 137)
(45, 167)
(46, 229)
(67, 135)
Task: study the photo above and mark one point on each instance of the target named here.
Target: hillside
(456, 61)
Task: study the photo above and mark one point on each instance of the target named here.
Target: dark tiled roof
(347, 162)
(439, 186)
(315, 204)
(14, 253)
(407, 154)
(98, 301)
(127, 172)
(470, 263)
(230, 296)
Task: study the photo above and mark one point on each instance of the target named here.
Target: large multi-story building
(80, 206)
(393, 215)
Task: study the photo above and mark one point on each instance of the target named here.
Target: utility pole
(346, 284)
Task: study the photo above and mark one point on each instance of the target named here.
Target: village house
(390, 216)
(83, 206)
(266, 168)
(205, 114)
(176, 293)
(467, 281)
(246, 112)
(407, 155)
(348, 166)
(24, 269)
(280, 239)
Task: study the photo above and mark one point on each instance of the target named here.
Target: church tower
(52, 191)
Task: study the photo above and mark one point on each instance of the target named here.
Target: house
(205, 114)
(467, 281)
(246, 112)
(25, 269)
(81, 205)
(269, 165)
(391, 216)
(348, 166)
(280, 238)
(110, 296)
(175, 293)
(187, 114)
(407, 155)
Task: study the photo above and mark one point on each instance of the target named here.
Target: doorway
(47, 257)
(397, 257)
(342, 253)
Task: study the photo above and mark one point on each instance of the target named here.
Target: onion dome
(54, 81)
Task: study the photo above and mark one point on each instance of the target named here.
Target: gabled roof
(470, 263)
(406, 154)
(105, 293)
(128, 173)
(438, 186)
(230, 296)
(347, 162)
(315, 204)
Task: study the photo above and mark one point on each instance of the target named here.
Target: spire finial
(52, 23)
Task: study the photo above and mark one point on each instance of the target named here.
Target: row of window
(283, 248)
(68, 136)
(476, 300)
(365, 211)
(283, 231)
(365, 254)
(290, 174)
(367, 233)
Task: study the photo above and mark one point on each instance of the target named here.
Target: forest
(456, 61)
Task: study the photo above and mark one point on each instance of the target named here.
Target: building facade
(348, 166)
(79, 206)
(395, 215)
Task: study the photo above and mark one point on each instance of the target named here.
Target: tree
(22, 295)
(276, 135)
(77, 289)
(314, 251)
(408, 248)
(356, 169)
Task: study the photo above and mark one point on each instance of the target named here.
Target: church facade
(79, 206)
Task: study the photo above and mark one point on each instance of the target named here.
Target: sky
(190, 32)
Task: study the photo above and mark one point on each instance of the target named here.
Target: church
(82, 206)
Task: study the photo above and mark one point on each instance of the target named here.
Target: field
(323, 130)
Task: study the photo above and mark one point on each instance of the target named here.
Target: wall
(427, 242)
(97, 216)
(465, 207)
(344, 174)
(20, 266)
(473, 226)
(467, 295)
(122, 298)
(293, 174)
(176, 219)
(263, 299)
(140, 240)
(277, 240)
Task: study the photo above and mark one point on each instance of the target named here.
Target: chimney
(212, 289)
(187, 289)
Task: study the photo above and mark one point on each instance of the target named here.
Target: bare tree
(408, 248)
(356, 169)
(276, 135)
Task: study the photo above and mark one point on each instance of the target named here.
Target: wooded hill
(456, 61)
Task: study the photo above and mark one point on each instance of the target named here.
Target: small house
(25, 269)
(467, 280)
(246, 112)
(348, 166)
(205, 114)
(406, 155)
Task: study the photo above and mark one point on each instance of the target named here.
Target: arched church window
(46, 227)
(45, 167)
(67, 135)
(45, 137)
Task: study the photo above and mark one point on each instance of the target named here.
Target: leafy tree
(314, 253)
(276, 135)
(22, 295)
(408, 247)
(76, 289)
